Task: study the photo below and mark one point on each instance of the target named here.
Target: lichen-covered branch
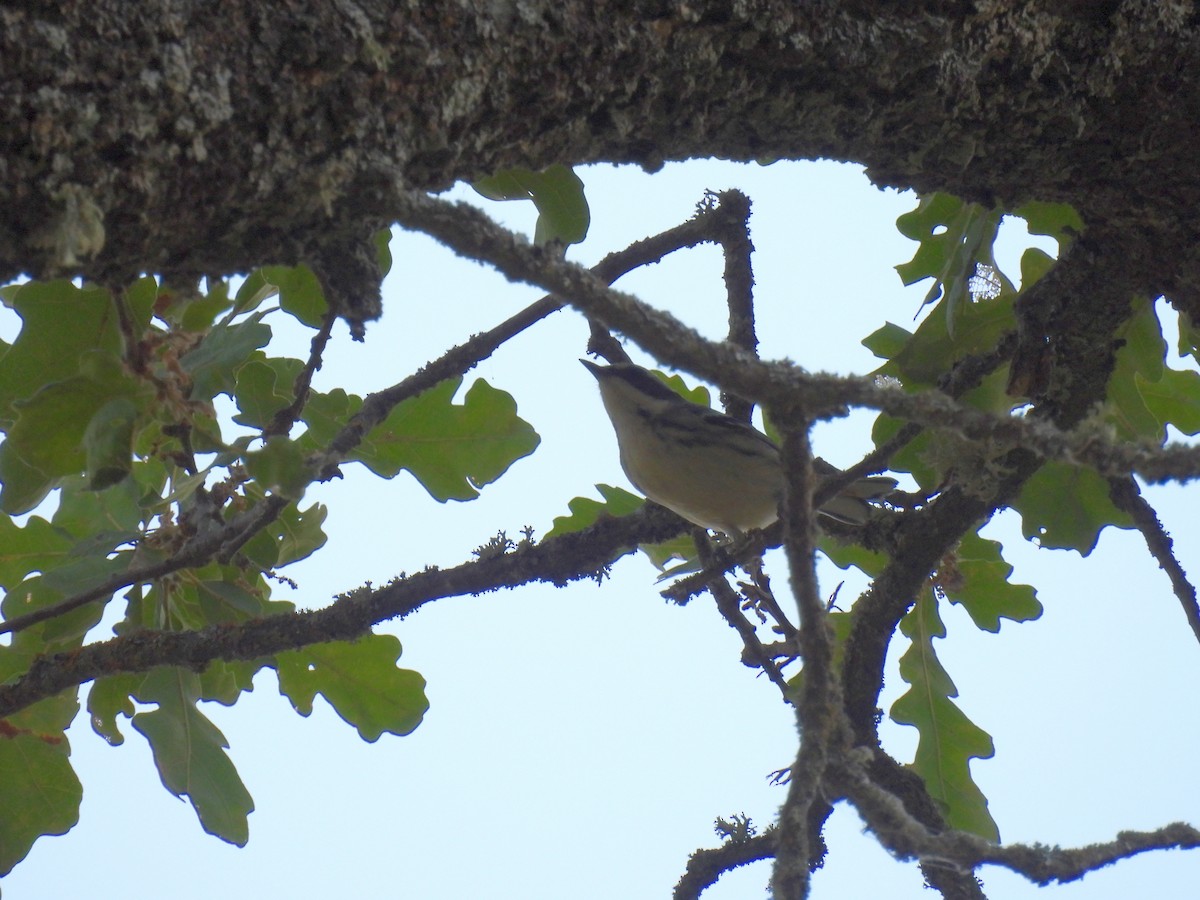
(571, 557)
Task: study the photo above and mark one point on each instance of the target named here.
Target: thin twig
(716, 217)
(195, 552)
(730, 608)
(723, 559)
(764, 597)
(1128, 497)
(284, 419)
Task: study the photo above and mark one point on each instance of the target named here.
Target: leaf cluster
(122, 480)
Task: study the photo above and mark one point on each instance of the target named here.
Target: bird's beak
(592, 367)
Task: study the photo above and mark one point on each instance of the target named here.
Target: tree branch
(820, 720)
(907, 838)
(729, 606)
(1128, 497)
(705, 867)
(739, 290)
(284, 419)
(224, 542)
(472, 234)
(570, 557)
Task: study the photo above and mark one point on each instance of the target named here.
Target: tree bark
(187, 137)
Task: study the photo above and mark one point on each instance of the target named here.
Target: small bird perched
(715, 471)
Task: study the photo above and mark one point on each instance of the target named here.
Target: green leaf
(955, 238)
(25, 485)
(214, 364)
(225, 681)
(453, 450)
(298, 532)
(223, 594)
(1144, 395)
(292, 536)
(164, 605)
(263, 388)
(980, 583)
(1057, 220)
(916, 457)
(325, 414)
(38, 592)
(360, 680)
(210, 595)
(103, 519)
(557, 193)
(585, 511)
(927, 226)
(189, 751)
(888, 341)
(23, 549)
(383, 250)
(1173, 400)
(1065, 507)
(199, 314)
(932, 349)
(39, 793)
(108, 443)
(59, 324)
(617, 502)
(254, 290)
(281, 466)
(140, 299)
(300, 293)
(47, 441)
(682, 548)
(948, 739)
(1142, 354)
(845, 555)
(107, 699)
(699, 394)
(1035, 262)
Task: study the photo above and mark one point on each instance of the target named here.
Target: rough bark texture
(190, 137)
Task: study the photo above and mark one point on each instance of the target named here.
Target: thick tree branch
(739, 293)
(820, 720)
(123, 154)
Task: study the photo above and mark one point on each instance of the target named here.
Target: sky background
(580, 742)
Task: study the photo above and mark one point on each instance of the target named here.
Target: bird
(714, 470)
